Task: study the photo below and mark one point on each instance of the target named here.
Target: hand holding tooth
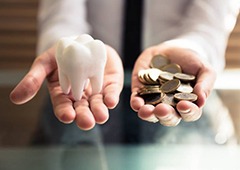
(79, 59)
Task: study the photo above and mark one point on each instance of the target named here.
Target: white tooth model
(80, 59)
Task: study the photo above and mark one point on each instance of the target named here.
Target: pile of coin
(164, 82)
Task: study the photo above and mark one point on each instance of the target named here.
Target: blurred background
(18, 36)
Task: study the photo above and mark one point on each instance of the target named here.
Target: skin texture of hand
(91, 109)
(191, 64)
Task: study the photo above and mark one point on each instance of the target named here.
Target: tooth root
(97, 83)
(98, 51)
(77, 88)
(74, 56)
(64, 82)
(86, 84)
(63, 78)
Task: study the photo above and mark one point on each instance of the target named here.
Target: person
(190, 33)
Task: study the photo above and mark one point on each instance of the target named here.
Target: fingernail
(174, 121)
(153, 119)
(167, 117)
(185, 111)
(170, 120)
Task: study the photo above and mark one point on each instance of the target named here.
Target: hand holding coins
(164, 82)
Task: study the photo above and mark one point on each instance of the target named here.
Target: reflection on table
(119, 157)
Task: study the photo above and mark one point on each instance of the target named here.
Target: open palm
(190, 63)
(91, 109)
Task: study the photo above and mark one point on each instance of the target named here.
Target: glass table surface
(120, 157)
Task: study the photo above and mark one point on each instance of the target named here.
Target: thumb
(27, 88)
(31, 83)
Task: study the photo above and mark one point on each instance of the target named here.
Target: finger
(146, 113)
(136, 102)
(111, 96)
(62, 104)
(113, 79)
(189, 111)
(113, 85)
(142, 63)
(204, 85)
(167, 115)
(98, 109)
(84, 117)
